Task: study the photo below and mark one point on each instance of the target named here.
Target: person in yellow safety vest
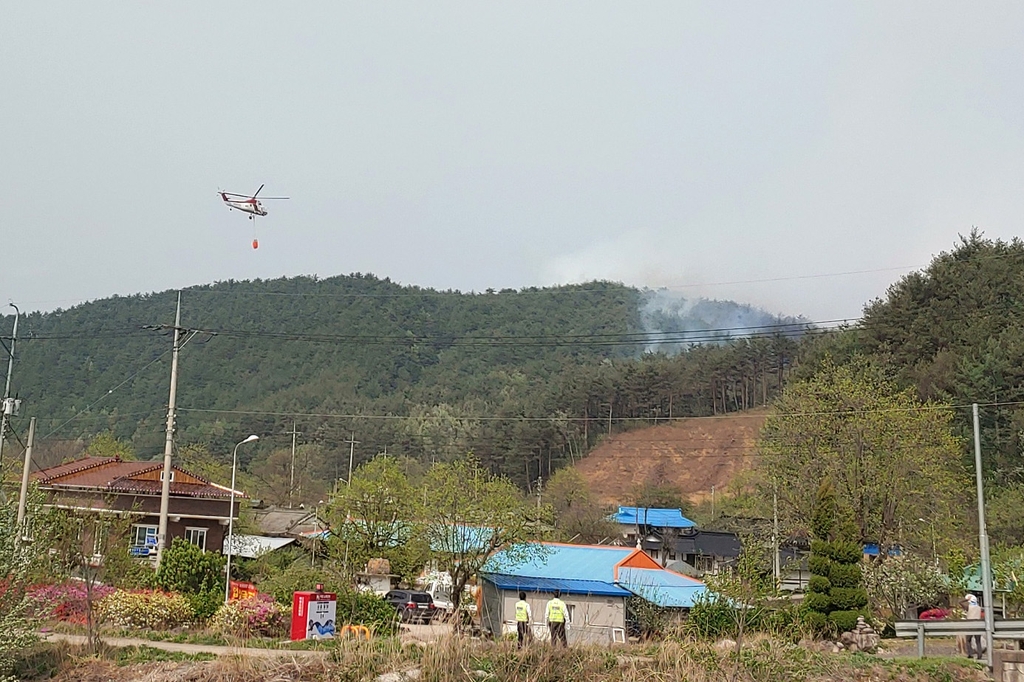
(556, 615)
(523, 617)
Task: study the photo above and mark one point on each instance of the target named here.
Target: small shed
(595, 582)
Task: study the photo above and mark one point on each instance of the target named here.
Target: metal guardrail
(1002, 629)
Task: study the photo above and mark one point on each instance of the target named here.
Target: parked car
(412, 606)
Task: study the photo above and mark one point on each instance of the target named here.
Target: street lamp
(231, 516)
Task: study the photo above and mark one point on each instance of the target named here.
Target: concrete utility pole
(291, 482)
(7, 409)
(165, 489)
(776, 560)
(986, 563)
(352, 443)
(23, 498)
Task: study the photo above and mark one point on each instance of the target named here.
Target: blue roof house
(654, 530)
(594, 580)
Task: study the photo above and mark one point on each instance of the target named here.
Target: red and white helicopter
(248, 204)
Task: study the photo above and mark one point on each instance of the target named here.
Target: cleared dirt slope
(690, 454)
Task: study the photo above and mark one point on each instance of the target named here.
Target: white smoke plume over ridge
(674, 323)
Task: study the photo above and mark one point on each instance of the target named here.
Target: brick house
(198, 509)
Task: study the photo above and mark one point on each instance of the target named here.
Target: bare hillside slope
(690, 454)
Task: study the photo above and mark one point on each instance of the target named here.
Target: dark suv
(412, 606)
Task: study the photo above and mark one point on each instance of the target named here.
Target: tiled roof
(117, 476)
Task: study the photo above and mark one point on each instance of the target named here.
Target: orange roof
(115, 475)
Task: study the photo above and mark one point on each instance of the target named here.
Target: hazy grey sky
(476, 145)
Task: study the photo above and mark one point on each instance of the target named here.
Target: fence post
(920, 640)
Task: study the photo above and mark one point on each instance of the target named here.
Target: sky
(797, 156)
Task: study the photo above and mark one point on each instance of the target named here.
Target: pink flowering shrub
(66, 602)
(145, 609)
(258, 616)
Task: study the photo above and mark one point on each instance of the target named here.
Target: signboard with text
(314, 615)
(241, 590)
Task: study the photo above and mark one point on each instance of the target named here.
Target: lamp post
(231, 516)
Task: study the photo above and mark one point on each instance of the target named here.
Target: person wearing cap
(556, 614)
(523, 617)
(974, 612)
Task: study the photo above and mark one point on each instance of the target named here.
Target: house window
(144, 535)
(572, 612)
(197, 536)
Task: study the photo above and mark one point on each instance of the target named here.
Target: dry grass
(464, 660)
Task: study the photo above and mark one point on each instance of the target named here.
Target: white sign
(322, 618)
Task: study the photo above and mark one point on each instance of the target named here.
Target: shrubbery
(66, 602)
(196, 574)
(258, 616)
(145, 609)
(366, 608)
(299, 577)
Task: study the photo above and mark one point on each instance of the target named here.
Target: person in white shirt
(974, 612)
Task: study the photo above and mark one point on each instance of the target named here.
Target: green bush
(709, 618)
(145, 609)
(815, 621)
(845, 575)
(189, 570)
(819, 565)
(366, 608)
(300, 577)
(844, 621)
(817, 602)
(205, 604)
(819, 584)
(848, 598)
(845, 552)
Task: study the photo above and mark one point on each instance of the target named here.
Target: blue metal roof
(528, 584)
(562, 562)
(664, 588)
(652, 516)
(583, 569)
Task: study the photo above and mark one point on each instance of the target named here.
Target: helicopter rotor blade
(257, 191)
(269, 198)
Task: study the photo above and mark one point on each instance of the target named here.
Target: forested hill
(525, 379)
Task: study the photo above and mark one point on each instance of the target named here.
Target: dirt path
(189, 648)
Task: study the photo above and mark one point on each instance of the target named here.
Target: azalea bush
(259, 616)
(66, 602)
(145, 609)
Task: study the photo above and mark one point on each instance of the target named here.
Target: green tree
(578, 517)
(834, 594)
(468, 514)
(890, 458)
(373, 517)
(904, 581)
(20, 562)
(109, 445)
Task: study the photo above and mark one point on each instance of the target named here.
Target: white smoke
(674, 323)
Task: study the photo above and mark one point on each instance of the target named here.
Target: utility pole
(712, 503)
(23, 498)
(8, 407)
(291, 482)
(776, 563)
(165, 489)
(986, 570)
(352, 443)
(540, 489)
